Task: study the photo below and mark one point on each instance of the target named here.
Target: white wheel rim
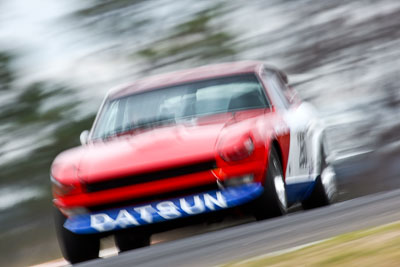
(280, 189)
(328, 179)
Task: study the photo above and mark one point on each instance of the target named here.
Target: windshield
(175, 103)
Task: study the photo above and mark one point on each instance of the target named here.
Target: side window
(277, 89)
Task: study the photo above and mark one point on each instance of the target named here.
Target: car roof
(187, 75)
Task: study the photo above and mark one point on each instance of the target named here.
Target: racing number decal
(303, 158)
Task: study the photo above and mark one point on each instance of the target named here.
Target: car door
(298, 116)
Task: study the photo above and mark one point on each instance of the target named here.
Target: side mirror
(84, 137)
(283, 76)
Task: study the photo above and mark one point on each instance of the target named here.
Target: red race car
(185, 147)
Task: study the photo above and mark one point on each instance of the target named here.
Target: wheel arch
(275, 144)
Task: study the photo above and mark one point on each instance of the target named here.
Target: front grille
(158, 197)
(150, 177)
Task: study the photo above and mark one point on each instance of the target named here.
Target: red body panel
(168, 146)
(157, 187)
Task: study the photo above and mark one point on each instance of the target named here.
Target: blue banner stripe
(154, 212)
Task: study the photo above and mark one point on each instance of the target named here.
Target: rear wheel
(128, 240)
(325, 188)
(75, 248)
(273, 201)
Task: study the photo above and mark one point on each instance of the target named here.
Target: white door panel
(301, 165)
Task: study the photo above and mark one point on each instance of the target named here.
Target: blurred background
(59, 58)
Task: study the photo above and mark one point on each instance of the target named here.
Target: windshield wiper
(141, 124)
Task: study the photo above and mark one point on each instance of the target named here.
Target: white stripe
(300, 179)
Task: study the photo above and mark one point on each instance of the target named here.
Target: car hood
(156, 149)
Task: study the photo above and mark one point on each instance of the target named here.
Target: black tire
(269, 205)
(319, 197)
(128, 240)
(75, 248)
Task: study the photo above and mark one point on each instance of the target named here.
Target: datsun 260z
(183, 147)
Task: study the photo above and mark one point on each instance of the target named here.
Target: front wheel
(75, 248)
(273, 201)
(128, 240)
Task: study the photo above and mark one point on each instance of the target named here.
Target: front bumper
(155, 212)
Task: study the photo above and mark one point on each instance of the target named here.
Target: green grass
(378, 246)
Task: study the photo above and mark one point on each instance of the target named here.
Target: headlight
(238, 150)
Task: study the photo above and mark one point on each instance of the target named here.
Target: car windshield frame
(197, 87)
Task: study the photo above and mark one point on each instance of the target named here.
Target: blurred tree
(102, 7)
(6, 72)
(27, 106)
(33, 114)
(37, 122)
(198, 38)
(111, 18)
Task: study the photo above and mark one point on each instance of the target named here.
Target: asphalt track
(359, 176)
